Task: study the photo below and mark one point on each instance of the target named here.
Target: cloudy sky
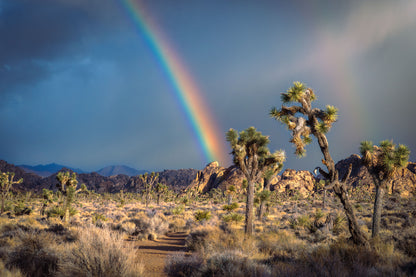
(80, 86)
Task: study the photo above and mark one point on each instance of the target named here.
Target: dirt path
(153, 253)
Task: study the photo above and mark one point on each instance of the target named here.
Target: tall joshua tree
(304, 121)
(382, 162)
(68, 186)
(6, 182)
(252, 157)
(148, 181)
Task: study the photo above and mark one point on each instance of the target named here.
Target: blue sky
(80, 87)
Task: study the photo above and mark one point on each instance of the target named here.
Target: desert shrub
(231, 207)
(153, 226)
(345, 259)
(98, 219)
(206, 239)
(179, 209)
(63, 234)
(281, 246)
(302, 221)
(21, 209)
(100, 252)
(179, 265)
(58, 211)
(233, 217)
(177, 224)
(339, 224)
(34, 254)
(233, 264)
(197, 239)
(406, 242)
(4, 272)
(202, 215)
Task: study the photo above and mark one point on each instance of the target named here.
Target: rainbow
(189, 96)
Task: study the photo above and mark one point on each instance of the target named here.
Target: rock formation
(404, 182)
(292, 181)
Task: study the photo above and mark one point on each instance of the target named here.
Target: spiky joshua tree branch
(304, 120)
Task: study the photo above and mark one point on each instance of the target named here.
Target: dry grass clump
(180, 265)
(231, 263)
(150, 225)
(100, 252)
(234, 264)
(4, 272)
(35, 254)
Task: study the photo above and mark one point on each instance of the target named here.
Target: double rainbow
(185, 90)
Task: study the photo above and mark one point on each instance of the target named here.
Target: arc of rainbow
(185, 89)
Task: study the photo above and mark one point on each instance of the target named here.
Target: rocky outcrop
(292, 181)
(207, 178)
(403, 182)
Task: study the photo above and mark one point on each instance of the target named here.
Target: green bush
(178, 210)
(202, 215)
(58, 211)
(231, 207)
(22, 209)
(233, 217)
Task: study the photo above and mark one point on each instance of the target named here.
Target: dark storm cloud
(45, 30)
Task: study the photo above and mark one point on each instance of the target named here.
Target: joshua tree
(230, 192)
(382, 163)
(68, 187)
(6, 182)
(148, 181)
(264, 196)
(47, 199)
(304, 121)
(160, 190)
(252, 157)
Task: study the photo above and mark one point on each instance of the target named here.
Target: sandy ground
(154, 253)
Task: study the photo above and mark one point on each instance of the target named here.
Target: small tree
(47, 199)
(230, 192)
(252, 157)
(68, 187)
(269, 173)
(6, 182)
(161, 189)
(382, 163)
(304, 121)
(149, 181)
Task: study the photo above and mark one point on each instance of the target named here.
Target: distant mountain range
(176, 180)
(47, 169)
(50, 169)
(113, 170)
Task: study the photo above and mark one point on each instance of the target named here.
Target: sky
(81, 85)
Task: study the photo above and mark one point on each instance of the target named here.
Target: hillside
(113, 170)
(47, 169)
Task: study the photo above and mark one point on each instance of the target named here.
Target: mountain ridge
(113, 170)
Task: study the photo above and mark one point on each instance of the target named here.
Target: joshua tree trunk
(356, 235)
(158, 199)
(261, 211)
(66, 207)
(378, 206)
(250, 208)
